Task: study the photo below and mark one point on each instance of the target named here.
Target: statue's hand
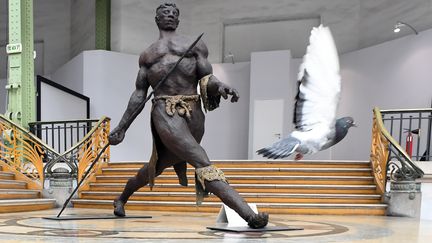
(224, 90)
(116, 136)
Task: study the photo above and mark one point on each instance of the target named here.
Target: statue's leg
(141, 179)
(175, 134)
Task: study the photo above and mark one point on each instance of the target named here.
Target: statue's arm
(211, 88)
(135, 106)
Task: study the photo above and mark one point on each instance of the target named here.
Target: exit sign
(13, 48)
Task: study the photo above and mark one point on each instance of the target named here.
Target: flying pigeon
(319, 85)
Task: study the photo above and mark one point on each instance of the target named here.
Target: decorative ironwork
(62, 135)
(80, 155)
(27, 154)
(384, 145)
(23, 151)
(91, 147)
(379, 156)
(412, 128)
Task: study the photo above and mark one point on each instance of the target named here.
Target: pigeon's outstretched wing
(319, 82)
(316, 101)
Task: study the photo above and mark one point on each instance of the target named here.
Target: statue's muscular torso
(162, 55)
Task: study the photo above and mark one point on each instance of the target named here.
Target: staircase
(284, 187)
(15, 197)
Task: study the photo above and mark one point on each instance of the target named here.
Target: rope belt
(178, 103)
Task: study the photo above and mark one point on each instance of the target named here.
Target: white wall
(395, 74)
(58, 105)
(109, 80)
(71, 75)
(392, 75)
(226, 128)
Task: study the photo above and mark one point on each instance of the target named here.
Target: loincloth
(178, 103)
(181, 104)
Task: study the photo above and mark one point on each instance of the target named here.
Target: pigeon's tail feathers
(281, 149)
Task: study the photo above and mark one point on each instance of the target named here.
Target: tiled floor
(191, 227)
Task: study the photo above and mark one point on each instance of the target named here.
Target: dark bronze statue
(177, 120)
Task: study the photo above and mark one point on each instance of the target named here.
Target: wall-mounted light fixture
(400, 24)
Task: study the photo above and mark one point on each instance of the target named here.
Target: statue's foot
(258, 221)
(119, 208)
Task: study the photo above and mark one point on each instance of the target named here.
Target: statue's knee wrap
(209, 173)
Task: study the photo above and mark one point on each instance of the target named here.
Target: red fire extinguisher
(409, 143)
(409, 140)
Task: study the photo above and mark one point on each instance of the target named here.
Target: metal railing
(412, 129)
(79, 156)
(62, 135)
(23, 152)
(384, 149)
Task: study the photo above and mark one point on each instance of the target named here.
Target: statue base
(225, 227)
(89, 217)
(229, 220)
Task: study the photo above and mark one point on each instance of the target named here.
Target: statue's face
(167, 18)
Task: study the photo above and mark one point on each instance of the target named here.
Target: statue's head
(167, 16)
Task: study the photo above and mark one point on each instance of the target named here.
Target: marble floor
(191, 227)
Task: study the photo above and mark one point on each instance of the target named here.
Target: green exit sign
(13, 48)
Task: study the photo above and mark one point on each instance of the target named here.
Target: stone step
(280, 188)
(284, 208)
(253, 179)
(12, 184)
(4, 175)
(260, 171)
(21, 205)
(18, 194)
(249, 197)
(260, 164)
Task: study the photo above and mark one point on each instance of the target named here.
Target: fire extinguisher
(409, 143)
(409, 140)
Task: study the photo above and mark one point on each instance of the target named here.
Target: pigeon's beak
(354, 125)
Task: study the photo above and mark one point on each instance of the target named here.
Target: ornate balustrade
(62, 135)
(23, 152)
(412, 129)
(81, 155)
(90, 148)
(384, 147)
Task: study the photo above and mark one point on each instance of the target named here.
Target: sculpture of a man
(177, 120)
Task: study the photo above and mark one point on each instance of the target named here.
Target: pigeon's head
(345, 122)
